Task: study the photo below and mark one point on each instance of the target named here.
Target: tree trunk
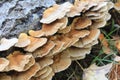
(18, 16)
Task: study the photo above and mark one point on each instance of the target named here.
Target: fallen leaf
(117, 5)
(117, 44)
(115, 71)
(105, 45)
(95, 72)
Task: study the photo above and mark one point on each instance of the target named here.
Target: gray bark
(18, 16)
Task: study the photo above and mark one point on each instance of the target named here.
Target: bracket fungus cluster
(68, 33)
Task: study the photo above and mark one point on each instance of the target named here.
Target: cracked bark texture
(18, 16)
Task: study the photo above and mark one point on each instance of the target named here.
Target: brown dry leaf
(115, 72)
(105, 44)
(117, 5)
(95, 72)
(117, 44)
(115, 37)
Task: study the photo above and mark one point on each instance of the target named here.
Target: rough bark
(18, 16)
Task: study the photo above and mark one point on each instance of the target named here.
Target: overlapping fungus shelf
(68, 32)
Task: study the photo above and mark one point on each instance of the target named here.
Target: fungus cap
(3, 63)
(52, 28)
(61, 62)
(45, 61)
(35, 43)
(40, 52)
(94, 34)
(38, 33)
(55, 12)
(27, 75)
(23, 40)
(5, 44)
(41, 71)
(77, 52)
(57, 48)
(82, 23)
(19, 61)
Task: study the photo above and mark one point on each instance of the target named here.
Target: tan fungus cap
(19, 61)
(57, 48)
(55, 12)
(27, 75)
(35, 43)
(52, 28)
(61, 62)
(38, 33)
(45, 61)
(23, 40)
(40, 52)
(3, 64)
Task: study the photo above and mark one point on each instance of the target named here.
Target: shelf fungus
(78, 52)
(49, 70)
(55, 12)
(3, 64)
(38, 33)
(4, 76)
(23, 40)
(5, 44)
(52, 28)
(27, 75)
(35, 43)
(67, 33)
(94, 34)
(82, 22)
(44, 50)
(19, 62)
(61, 62)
